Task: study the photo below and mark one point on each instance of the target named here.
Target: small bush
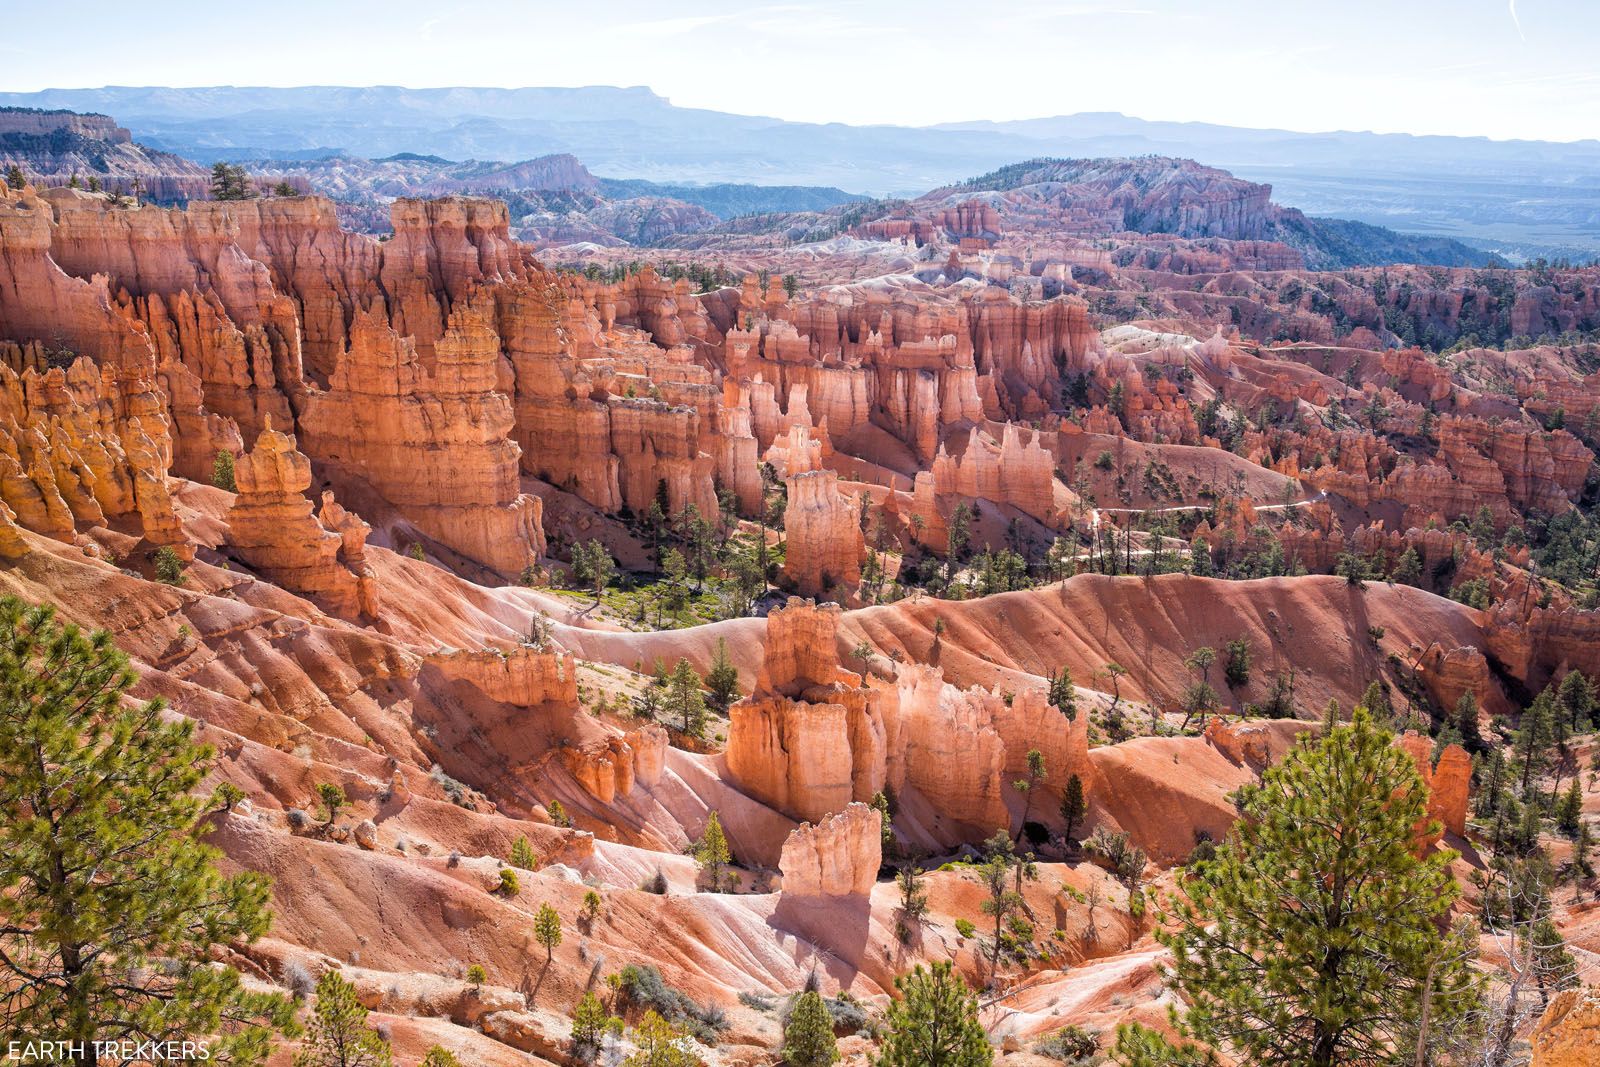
(756, 1001)
(455, 789)
(643, 987)
(222, 472)
(476, 974)
(331, 796)
(965, 928)
(558, 814)
(1070, 1044)
(1205, 848)
(169, 567)
(510, 885)
(656, 883)
(297, 819)
(1104, 461)
(848, 1015)
(298, 979)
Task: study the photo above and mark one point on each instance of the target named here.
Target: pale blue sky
(1498, 68)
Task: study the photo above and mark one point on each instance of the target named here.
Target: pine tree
(651, 699)
(339, 1035)
(1313, 933)
(1569, 811)
(229, 182)
(1064, 695)
(885, 810)
(1140, 1046)
(913, 898)
(808, 1037)
(1529, 827)
(590, 1026)
(723, 679)
(1331, 716)
(684, 701)
(712, 851)
(934, 1022)
(558, 814)
(1376, 701)
(660, 1044)
(995, 874)
(1466, 719)
(14, 177)
(111, 905)
(1581, 866)
(1408, 568)
(1576, 696)
(1236, 663)
(439, 1056)
(330, 795)
(1553, 965)
(169, 566)
(1029, 785)
(1533, 739)
(547, 929)
(222, 471)
(592, 567)
(1073, 805)
(1492, 796)
(522, 854)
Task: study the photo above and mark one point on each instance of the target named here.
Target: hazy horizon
(1499, 69)
(243, 87)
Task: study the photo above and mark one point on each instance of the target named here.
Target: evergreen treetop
(110, 904)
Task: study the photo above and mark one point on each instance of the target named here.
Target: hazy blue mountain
(1519, 197)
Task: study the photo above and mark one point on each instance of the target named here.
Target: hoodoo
(541, 617)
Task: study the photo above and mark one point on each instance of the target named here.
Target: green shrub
(1070, 1044)
(169, 567)
(642, 986)
(222, 471)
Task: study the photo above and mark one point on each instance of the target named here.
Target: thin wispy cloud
(673, 27)
(1516, 20)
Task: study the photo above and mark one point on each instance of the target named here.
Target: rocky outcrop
(1246, 745)
(944, 743)
(58, 147)
(82, 446)
(12, 544)
(436, 445)
(271, 527)
(1448, 783)
(1568, 1034)
(611, 767)
(822, 528)
(801, 650)
(522, 676)
(792, 755)
(1008, 472)
(838, 857)
(810, 739)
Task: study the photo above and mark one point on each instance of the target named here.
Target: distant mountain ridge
(1157, 195)
(57, 146)
(1520, 197)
